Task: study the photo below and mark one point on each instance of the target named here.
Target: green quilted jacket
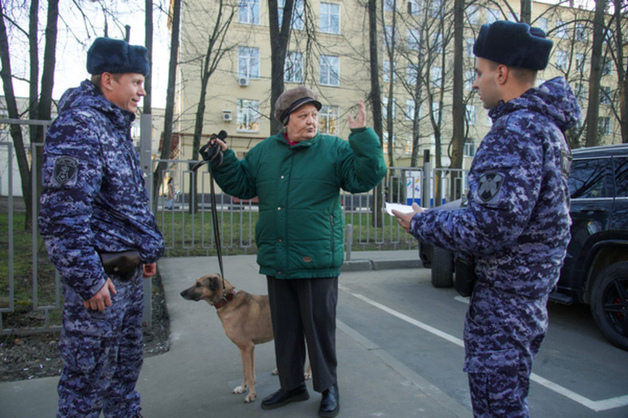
(300, 230)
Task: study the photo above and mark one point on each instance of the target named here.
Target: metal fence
(30, 286)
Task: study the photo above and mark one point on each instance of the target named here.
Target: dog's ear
(214, 283)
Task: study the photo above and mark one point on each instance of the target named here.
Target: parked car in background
(595, 271)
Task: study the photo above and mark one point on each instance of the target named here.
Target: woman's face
(303, 123)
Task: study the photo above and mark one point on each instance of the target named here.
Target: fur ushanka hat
(291, 100)
(116, 56)
(513, 44)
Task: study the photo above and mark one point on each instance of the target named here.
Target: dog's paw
(307, 375)
(240, 389)
(250, 398)
(275, 372)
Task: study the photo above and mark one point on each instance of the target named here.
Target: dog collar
(225, 299)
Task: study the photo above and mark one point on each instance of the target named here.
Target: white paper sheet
(399, 207)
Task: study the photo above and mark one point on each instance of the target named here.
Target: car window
(621, 177)
(587, 178)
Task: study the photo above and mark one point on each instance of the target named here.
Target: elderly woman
(297, 176)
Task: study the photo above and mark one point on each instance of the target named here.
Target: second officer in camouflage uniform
(94, 201)
(516, 224)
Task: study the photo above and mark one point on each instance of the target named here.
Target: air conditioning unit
(243, 81)
(226, 115)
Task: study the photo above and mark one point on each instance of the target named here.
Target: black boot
(330, 403)
(281, 397)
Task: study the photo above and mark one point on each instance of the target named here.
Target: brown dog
(245, 319)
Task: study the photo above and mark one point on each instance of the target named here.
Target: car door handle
(591, 209)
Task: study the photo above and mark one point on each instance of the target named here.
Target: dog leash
(215, 224)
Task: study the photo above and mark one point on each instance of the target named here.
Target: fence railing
(30, 286)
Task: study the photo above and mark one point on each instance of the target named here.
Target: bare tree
(175, 20)
(596, 74)
(40, 101)
(621, 8)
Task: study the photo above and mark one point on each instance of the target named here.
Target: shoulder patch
(65, 171)
(489, 186)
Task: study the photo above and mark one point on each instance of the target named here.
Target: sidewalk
(196, 377)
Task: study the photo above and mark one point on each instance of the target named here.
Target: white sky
(70, 68)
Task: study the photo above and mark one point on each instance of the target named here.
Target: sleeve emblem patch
(65, 171)
(489, 186)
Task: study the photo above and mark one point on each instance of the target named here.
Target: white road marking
(597, 406)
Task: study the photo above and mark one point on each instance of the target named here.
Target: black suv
(596, 267)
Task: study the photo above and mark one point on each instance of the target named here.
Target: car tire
(609, 303)
(442, 267)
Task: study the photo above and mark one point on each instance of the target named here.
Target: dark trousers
(304, 311)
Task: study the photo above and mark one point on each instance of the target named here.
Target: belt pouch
(465, 275)
(124, 264)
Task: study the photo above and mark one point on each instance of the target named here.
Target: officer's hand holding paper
(403, 213)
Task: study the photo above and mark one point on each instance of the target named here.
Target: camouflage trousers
(502, 335)
(102, 354)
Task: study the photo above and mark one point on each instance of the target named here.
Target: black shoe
(330, 404)
(281, 397)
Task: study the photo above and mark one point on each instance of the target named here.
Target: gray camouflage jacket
(94, 198)
(516, 224)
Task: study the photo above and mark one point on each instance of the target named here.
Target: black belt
(123, 264)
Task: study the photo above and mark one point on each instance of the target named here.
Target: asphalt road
(413, 325)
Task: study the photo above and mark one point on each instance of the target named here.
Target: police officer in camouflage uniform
(94, 203)
(516, 224)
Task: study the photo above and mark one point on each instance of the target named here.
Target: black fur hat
(513, 44)
(116, 56)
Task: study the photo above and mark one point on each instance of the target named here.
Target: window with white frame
(541, 23)
(470, 114)
(469, 148)
(328, 120)
(410, 107)
(437, 77)
(562, 31)
(412, 74)
(580, 92)
(388, 70)
(492, 15)
(297, 13)
(248, 115)
(436, 7)
(437, 43)
(562, 60)
(385, 142)
(469, 78)
(581, 32)
(606, 94)
(413, 7)
(385, 108)
(248, 62)
(468, 47)
(580, 62)
(293, 67)
(248, 12)
(604, 125)
(436, 111)
(329, 70)
(414, 35)
(408, 147)
(330, 18)
(607, 66)
(473, 15)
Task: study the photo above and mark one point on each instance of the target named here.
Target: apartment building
(329, 52)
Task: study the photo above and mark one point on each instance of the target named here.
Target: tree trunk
(279, 38)
(526, 11)
(376, 101)
(148, 81)
(595, 75)
(622, 77)
(168, 118)
(458, 140)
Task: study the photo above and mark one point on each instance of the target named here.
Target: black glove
(211, 152)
